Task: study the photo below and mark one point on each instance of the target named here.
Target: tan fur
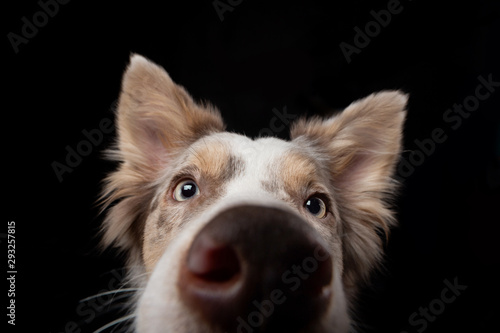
(298, 175)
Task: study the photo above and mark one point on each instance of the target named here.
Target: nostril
(212, 262)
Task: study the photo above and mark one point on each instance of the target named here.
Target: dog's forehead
(254, 153)
(264, 164)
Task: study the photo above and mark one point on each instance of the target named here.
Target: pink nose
(257, 269)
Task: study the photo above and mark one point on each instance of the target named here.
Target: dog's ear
(361, 146)
(157, 116)
(156, 120)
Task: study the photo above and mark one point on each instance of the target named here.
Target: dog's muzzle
(257, 269)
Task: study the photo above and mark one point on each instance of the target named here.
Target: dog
(224, 233)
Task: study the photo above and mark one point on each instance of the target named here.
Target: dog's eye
(316, 206)
(185, 190)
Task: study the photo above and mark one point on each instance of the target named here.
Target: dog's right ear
(360, 147)
(157, 116)
(156, 120)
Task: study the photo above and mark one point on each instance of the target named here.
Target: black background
(263, 55)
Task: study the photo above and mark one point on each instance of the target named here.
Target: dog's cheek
(158, 232)
(331, 233)
(334, 237)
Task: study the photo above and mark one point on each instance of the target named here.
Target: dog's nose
(257, 269)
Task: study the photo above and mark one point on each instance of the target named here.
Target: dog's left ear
(361, 146)
(157, 117)
(156, 121)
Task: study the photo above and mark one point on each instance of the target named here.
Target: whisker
(112, 271)
(114, 322)
(115, 301)
(136, 279)
(117, 291)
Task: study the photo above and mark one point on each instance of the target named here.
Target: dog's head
(231, 234)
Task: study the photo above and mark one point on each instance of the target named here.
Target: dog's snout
(255, 268)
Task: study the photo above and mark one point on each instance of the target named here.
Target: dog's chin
(248, 269)
(155, 314)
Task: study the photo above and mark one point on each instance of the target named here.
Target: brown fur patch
(297, 175)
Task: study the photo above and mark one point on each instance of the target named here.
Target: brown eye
(316, 207)
(185, 190)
